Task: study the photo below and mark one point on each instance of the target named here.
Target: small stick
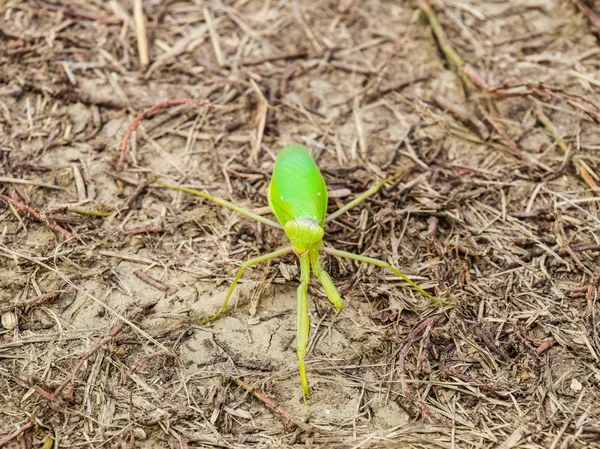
(272, 405)
(68, 392)
(410, 340)
(30, 302)
(589, 13)
(352, 68)
(261, 121)
(26, 208)
(114, 331)
(138, 365)
(574, 256)
(275, 57)
(595, 116)
(6, 439)
(544, 120)
(4, 179)
(79, 183)
(143, 230)
(362, 144)
(90, 213)
(475, 77)
(462, 114)
(140, 31)
(374, 94)
(80, 13)
(140, 187)
(544, 345)
(550, 128)
(20, 195)
(522, 337)
(508, 141)
(128, 257)
(151, 281)
(589, 296)
(110, 336)
(589, 180)
(214, 37)
(44, 393)
(469, 75)
(581, 247)
(142, 115)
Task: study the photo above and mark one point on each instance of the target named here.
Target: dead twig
(137, 367)
(260, 122)
(589, 295)
(89, 213)
(151, 281)
(143, 230)
(136, 193)
(142, 115)
(77, 13)
(410, 340)
(373, 94)
(22, 207)
(542, 345)
(467, 73)
(114, 331)
(273, 406)
(68, 386)
(551, 129)
(514, 149)
(214, 37)
(275, 57)
(36, 300)
(11, 436)
(462, 114)
(140, 32)
(589, 13)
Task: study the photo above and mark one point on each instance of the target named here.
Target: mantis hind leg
(303, 322)
(363, 196)
(382, 264)
(246, 264)
(220, 202)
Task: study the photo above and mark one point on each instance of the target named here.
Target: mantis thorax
(304, 233)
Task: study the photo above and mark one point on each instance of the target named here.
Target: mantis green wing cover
(297, 188)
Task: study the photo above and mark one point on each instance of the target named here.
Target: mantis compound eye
(303, 233)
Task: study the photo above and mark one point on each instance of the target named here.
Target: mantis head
(303, 233)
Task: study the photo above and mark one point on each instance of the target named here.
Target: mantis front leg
(248, 263)
(382, 264)
(330, 289)
(303, 322)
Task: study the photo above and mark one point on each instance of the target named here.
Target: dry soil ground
(104, 278)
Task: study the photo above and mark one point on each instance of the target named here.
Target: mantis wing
(297, 188)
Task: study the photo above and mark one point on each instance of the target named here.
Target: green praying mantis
(298, 197)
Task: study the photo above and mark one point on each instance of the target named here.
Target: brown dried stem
(30, 302)
(467, 73)
(273, 406)
(589, 13)
(6, 439)
(551, 129)
(22, 207)
(410, 340)
(142, 115)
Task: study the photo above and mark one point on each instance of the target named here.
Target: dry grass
(103, 275)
